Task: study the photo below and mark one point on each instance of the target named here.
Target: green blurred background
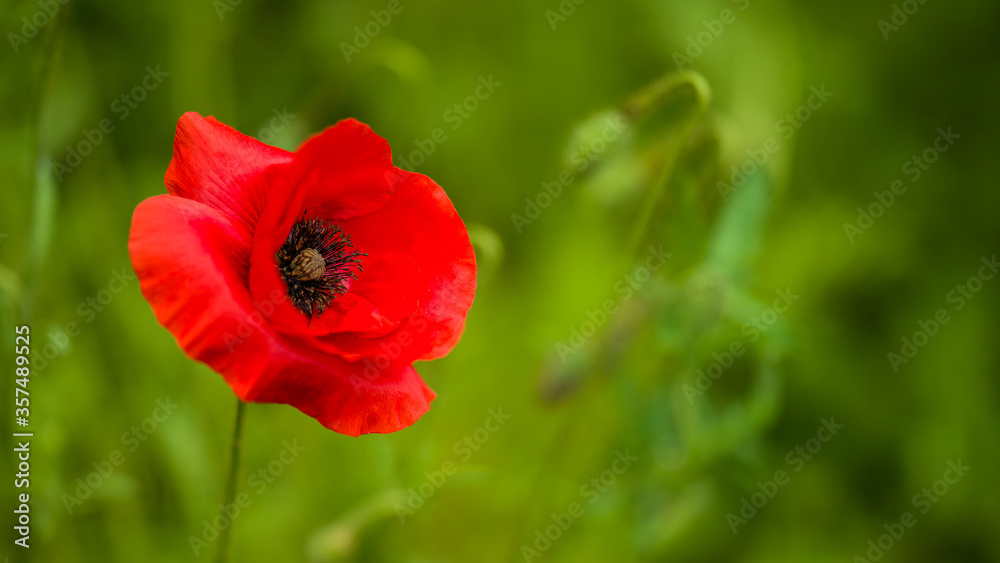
(280, 71)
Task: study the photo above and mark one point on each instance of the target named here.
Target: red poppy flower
(314, 278)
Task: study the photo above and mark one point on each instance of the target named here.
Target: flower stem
(234, 468)
(640, 106)
(40, 174)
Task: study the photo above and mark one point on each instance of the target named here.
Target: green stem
(234, 468)
(39, 176)
(636, 108)
(640, 106)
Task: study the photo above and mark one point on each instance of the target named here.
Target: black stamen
(315, 261)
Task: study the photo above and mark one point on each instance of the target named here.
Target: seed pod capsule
(308, 265)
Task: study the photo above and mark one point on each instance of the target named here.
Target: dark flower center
(315, 262)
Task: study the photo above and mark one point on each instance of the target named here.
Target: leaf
(736, 238)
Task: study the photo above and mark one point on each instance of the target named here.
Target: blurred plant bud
(596, 140)
(489, 250)
(339, 541)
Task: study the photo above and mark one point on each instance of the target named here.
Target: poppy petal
(192, 260)
(350, 398)
(343, 172)
(420, 221)
(220, 167)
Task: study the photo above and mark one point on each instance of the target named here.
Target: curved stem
(234, 468)
(636, 108)
(641, 105)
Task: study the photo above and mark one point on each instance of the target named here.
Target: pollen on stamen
(316, 261)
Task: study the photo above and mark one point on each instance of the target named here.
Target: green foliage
(714, 370)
